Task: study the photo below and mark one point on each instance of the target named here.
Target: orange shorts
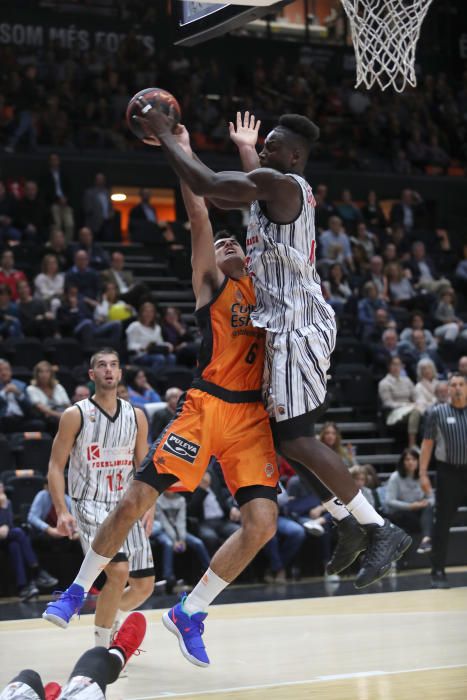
(237, 434)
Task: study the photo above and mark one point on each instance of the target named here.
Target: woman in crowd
(417, 323)
(406, 503)
(330, 435)
(21, 554)
(145, 343)
(372, 212)
(110, 306)
(397, 395)
(445, 313)
(49, 283)
(47, 396)
(425, 388)
(140, 392)
(174, 331)
(336, 289)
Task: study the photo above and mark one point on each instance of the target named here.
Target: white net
(385, 35)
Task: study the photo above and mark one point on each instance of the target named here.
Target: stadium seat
(7, 458)
(22, 491)
(35, 454)
(64, 351)
(24, 351)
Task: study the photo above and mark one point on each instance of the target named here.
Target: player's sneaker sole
(403, 546)
(172, 627)
(56, 620)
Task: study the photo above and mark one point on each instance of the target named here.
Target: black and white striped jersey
(102, 458)
(281, 263)
(447, 425)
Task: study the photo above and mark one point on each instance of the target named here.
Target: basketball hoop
(385, 35)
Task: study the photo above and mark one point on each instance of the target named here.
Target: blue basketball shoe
(60, 611)
(189, 630)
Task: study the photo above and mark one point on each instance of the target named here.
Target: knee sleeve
(32, 679)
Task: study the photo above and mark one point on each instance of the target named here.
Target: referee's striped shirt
(447, 426)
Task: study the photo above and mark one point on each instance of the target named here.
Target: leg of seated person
(272, 551)
(17, 561)
(199, 548)
(209, 536)
(291, 537)
(413, 426)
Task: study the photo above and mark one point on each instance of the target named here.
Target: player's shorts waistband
(226, 395)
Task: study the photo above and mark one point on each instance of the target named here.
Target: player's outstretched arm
(68, 429)
(245, 137)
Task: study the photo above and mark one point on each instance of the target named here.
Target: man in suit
(56, 188)
(99, 214)
(32, 215)
(84, 278)
(408, 211)
(130, 292)
(144, 225)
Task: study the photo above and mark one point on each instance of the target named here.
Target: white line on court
(318, 679)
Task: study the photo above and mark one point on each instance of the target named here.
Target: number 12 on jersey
(115, 481)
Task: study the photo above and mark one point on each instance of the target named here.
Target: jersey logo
(180, 447)
(93, 452)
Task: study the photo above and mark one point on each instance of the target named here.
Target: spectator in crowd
(10, 327)
(377, 276)
(8, 274)
(32, 215)
(215, 510)
(382, 352)
(425, 388)
(416, 351)
(81, 392)
(417, 323)
(324, 209)
(283, 549)
(348, 211)
(163, 416)
(122, 391)
(146, 345)
(21, 554)
(382, 322)
(15, 406)
(397, 395)
(462, 366)
(367, 309)
(306, 507)
(170, 531)
(56, 188)
(74, 317)
(47, 396)
(129, 291)
(400, 289)
(442, 392)
(365, 239)
(406, 504)
(331, 436)
(8, 207)
(57, 246)
(98, 258)
(336, 288)
(175, 332)
(373, 483)
(140, 391)
(408, 211)
(111, 307)
(372, 212)
(423, 270)
(26, 100)
(461, 269)
(360, 476)
(143, 223)
(49, 284)
(84, 278)
(33, 315)
(335, 244)
(445, 313)
(42, 516)
(99, 214)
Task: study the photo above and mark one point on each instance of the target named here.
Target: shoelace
(376, 550)
(66, 595)
(132, 641)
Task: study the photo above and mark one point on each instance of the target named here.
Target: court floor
(402, 645)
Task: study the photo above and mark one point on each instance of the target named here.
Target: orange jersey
(232, 351)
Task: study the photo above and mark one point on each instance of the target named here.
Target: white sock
(363, 511)
(91, 567)
(118, 653)
(336, 508)
(102, 636)
(204, 592)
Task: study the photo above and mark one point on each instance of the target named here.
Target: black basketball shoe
(352, 539)
(386, 543)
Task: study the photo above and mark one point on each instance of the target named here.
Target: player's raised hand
(245, 133)
(66, 525)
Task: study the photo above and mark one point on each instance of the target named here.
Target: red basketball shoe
(130, 635)
(52, 690)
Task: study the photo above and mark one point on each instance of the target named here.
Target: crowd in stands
(66, 99)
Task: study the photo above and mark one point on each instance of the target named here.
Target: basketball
(155, 97)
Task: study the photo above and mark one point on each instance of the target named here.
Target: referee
(446, 427)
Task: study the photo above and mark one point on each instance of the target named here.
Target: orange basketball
(155, 97)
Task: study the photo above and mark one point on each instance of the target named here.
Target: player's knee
(133, 505)
(260, 525)
(117, 573)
